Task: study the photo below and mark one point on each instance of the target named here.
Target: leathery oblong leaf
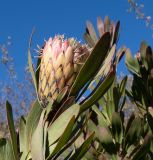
(107, 140)
(31, 68)
(12, 129)
(95, 60)
(22, 138)
(122, 86)
(6, 152)
(134, 132)
(101, 90)
(131, 63)
(37, 140)
(56, 129)
(83, 148)
(63, 139)
(144, 149)
(117, 127)
(32, 122)
(107, 63)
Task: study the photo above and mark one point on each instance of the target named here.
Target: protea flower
(61, 61)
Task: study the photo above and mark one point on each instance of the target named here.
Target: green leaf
(37, 141)
(102, 102)
(102, 121)
(151, 145)
(66, 104)
(31, 68)
(45, 136)
(149, 57)
(22, 137)
(62, 94)
(130, 120)
(116, 99)
(89, 85)
(64, 138)
(95, 60)
(82, 149)
(32, 122)
(56, 129)
(110, 109)
(120, 53)
(37, 71)
(109, 104)
(117, 127)
(75, 133)
(101, 90)
(122, 103)
(150, 121)
(107, 63)
(131, 63)
(12, 129)
(123, 85)
(92, 127)
(143, 49)
(91, 31)
(134, 132)
(116, 32)
(107, 140)
(6, 152)
(150, 88)
(68, 156)
(144, 149)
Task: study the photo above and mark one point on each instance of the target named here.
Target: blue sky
(18, 17)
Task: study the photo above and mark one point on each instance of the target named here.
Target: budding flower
(61, 61)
